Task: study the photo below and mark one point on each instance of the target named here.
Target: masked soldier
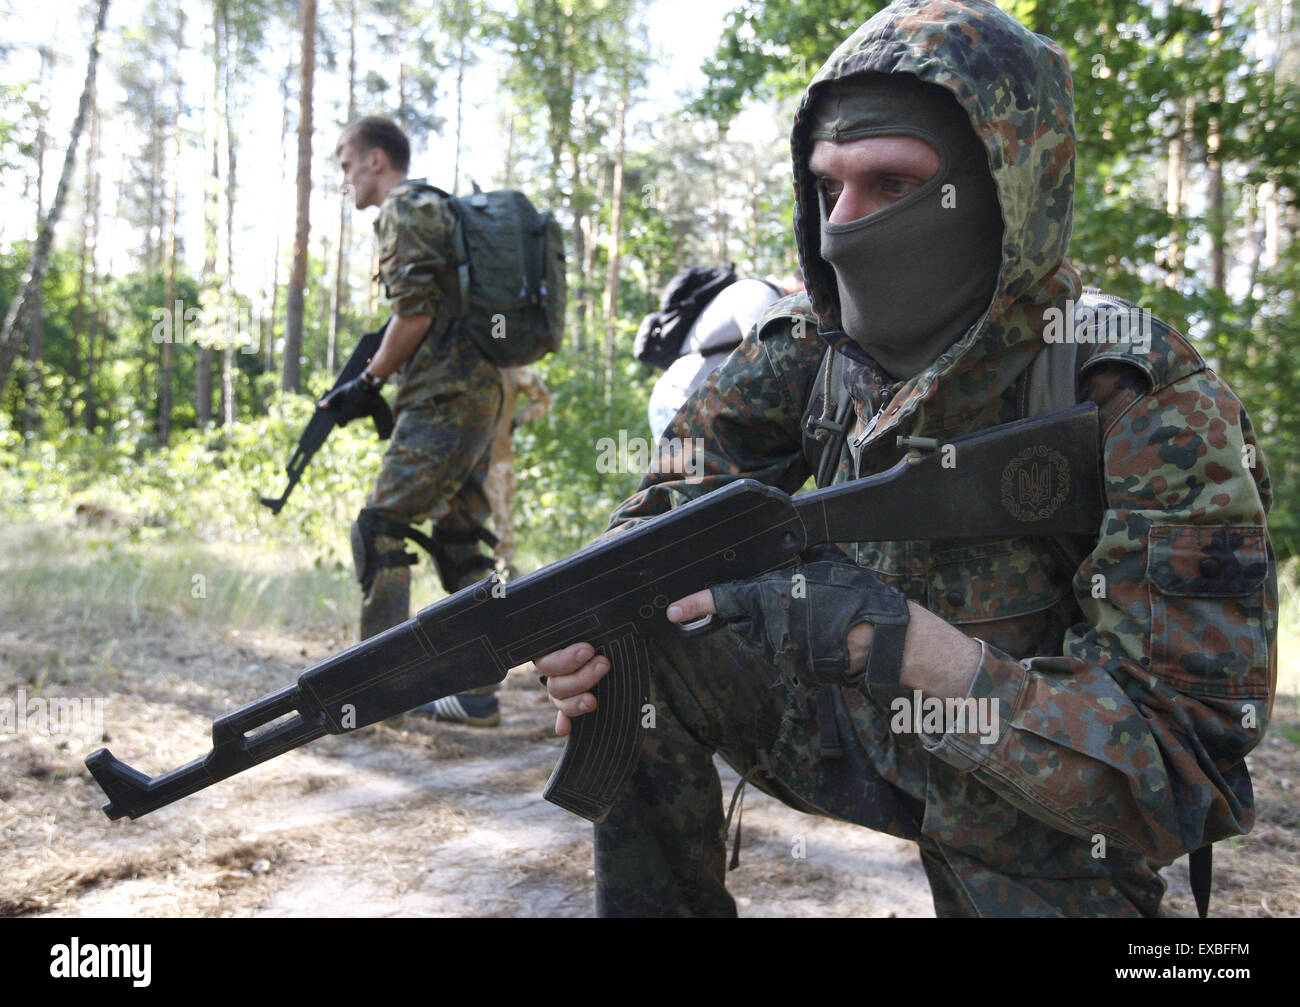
(934, 183)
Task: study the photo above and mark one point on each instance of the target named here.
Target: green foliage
(406, 32)
(202, 485)
(205, 486)
(17, 114)
(564, 501)
(564, 57)
(772, 49)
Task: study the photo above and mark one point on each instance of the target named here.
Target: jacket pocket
(1207, 609)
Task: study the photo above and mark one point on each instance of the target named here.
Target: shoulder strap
(1200, 872)
(1048, 385)
(1051, 381)
(458, 240)
(826, 419)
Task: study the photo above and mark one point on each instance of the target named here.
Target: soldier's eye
(830, 189)
(897, 188)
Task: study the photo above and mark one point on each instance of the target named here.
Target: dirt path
(409, 819)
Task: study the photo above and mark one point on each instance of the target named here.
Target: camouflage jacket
(417, 261)
(1132, 687)
(417, 266)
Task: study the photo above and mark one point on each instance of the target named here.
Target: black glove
(352, 400)
(801, 617)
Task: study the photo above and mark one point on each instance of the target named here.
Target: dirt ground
(415, 818)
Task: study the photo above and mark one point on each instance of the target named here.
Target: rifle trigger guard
(697, 627)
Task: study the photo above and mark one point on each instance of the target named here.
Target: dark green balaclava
(914, 276)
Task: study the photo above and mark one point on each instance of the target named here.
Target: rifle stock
(323, 421)
(614, 593)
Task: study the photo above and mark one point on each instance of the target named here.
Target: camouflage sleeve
(415, 233)
(1138, 732)
(742, 423)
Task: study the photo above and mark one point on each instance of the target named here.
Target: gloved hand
(352, 400)
(800, 618)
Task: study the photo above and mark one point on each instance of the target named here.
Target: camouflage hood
(1015, 86)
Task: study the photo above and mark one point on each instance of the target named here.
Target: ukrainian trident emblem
(1035, 483)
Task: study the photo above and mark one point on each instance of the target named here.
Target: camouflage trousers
(435, 467)
(662, 849)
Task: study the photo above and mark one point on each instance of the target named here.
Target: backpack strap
(458, 243)
(1050, 383)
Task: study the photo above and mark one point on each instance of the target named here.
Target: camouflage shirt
(1130, 688)
(417, 265)
(417, 262)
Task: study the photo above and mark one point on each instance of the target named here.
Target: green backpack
(512, 282)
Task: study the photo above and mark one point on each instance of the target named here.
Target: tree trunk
(211, 284)
(1175, 202)
(1213, 143)
(290, 377)
(177, 333)
(508, 181)
(228, 352)
(582, 212)
(279, 221)
(81, 322)
(587, 309)
(36, 333)
(462, 29)
(615, 234)
(17, 321)
(203, 387)
(88, 412)
(158, 219)
(341, 288)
